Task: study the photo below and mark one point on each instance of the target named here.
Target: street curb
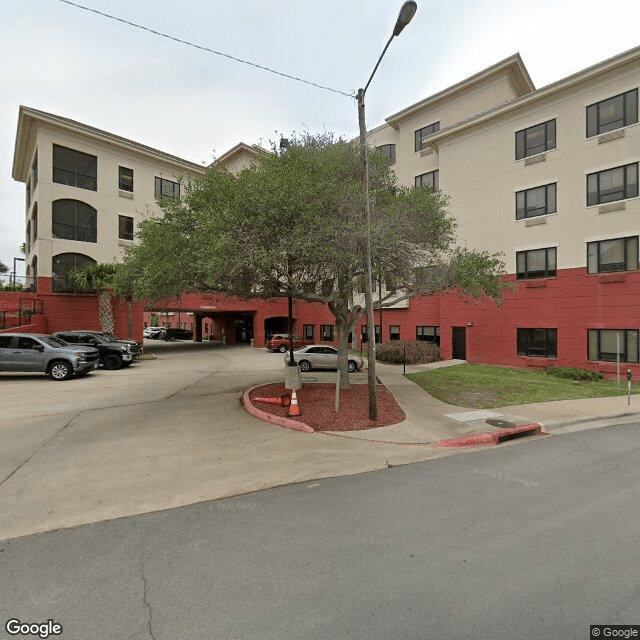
(268, 417)
(493, 438)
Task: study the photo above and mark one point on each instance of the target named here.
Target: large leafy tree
(292, 224)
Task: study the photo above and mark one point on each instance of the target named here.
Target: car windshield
(54, 342)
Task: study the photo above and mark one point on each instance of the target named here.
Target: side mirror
(40, 348)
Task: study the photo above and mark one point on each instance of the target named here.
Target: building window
(308, 331)
(125, 227)
(74, 168)
(125, 179)
(326, 332)
(34, 170)
(27, 244)
(167, 188)
(605, 343)
(425, 132)
(28, 193)
(364, 338)
(74, 220)
(34, 226)
(428, 334)
(612, 113)
(394, 332)
(537, 139)
(538, 263)
(606, 256)
(63, 263)
(431, 179)
(388, 151)
(612, 184)
(537, 343)
(536, 202)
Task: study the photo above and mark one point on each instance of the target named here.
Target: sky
(197, 105)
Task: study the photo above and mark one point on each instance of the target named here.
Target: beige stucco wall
(108, 200)
(479, 172)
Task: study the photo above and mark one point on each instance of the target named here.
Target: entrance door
(459, 343)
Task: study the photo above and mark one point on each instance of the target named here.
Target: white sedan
(321, 356)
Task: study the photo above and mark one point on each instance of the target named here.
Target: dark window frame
(524, 149)
(323, 327)
(123, 223)
(424, 132)
(595, 340)
(77, 176)
(550, 258)
(59, 284)
(309, 335)
(434, 182)
(628, 190)
(388, 151)
(162, 190)
(630, 246)
(427, 336)
(87, 233)
(527, 344)
(594, 117)
(524, 212)
(394, 332)
(125, 179)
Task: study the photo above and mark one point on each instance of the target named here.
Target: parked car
(152, 333)
(280, 342)
(113, 353)
(50, 355)
(320, 356)
(170, 334)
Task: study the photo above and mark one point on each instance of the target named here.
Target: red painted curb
(495, 437)
(268, 417)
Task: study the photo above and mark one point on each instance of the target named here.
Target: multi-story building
(548, 177)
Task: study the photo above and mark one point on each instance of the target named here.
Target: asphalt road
(535, 541)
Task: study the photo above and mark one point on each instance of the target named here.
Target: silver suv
(36, 352)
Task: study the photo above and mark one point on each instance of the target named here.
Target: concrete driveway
(164, 433)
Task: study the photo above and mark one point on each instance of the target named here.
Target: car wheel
(112, 362)
(282, 348)
(352, 366)
(305, 365)
(60, 370)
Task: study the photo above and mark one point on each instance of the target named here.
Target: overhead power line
(202, 48)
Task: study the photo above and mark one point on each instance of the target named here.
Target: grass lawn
(485, 387)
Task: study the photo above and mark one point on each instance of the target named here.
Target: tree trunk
(342, 330)
(106, 311)
(129, 319)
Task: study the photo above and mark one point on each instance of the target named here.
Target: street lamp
(407, 11)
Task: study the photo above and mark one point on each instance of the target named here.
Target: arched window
(27, 244)
(74, 220)
(34, 224)
(34, 267)
(61, 264)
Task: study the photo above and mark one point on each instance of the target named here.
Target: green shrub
(573, 374)
(417, 352)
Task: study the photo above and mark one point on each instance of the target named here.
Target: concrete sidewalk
(429, 420)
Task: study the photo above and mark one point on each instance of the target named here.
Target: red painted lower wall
(572, 303)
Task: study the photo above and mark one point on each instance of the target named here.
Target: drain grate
(502, 424)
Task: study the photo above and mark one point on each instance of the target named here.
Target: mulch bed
(317, 406)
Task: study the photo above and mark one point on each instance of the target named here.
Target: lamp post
(407, 11)
(14, 270)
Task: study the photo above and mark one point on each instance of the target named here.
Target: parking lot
(164, 432)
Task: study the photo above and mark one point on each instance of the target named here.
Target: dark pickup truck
(113, 353)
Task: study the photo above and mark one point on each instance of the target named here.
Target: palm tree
(100, 277)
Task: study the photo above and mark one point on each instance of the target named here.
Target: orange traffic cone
(294, 409)
(283, 401)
